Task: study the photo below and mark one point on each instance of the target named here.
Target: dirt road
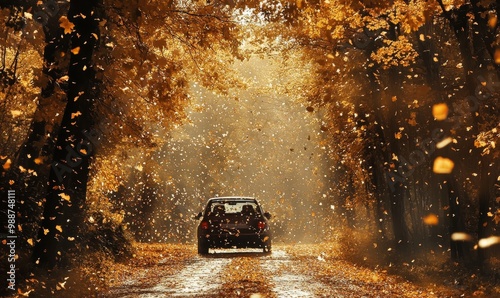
(286, 272)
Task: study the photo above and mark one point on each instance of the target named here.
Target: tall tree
(67, 183)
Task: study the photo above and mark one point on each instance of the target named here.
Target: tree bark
(66, 192)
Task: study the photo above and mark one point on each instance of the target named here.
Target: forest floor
(300, 270)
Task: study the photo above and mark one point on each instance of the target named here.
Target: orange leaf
(66, 25)
(65, 197)
(431, 220)
(443, 165)
(440, 111)
(75, 51)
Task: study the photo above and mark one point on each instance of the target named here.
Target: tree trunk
(70, 168)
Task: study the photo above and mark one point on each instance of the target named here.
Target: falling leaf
(6, 165)
(422, 37)
(63, 79)
(394, 98)
(38, 160)
(16, 113)
(431, 220)
(65, 197)
(461, 237)
(497, 56)
(30, 241)
(66, 25)
(444, 143)
(398, 135)
(59, 228)
(74, 115)
(71, 238)
(46, 231)
(95, 36)
(487, 242)
(75, 51)
(443, 165)
(440, 111)
(492, 21)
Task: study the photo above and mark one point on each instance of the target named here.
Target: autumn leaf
(65, 197)
(74, 115)
(30, 241)
(431, 220)
(75, 51)
(461, 237)
(63, 79)
(444, 143)
(66, 25)
(59, 228)
(16, 113)
(440, 111)
(443, 165)
(497, 56)
(6, 165)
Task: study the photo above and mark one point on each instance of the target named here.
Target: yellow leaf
(45, 231)
(75, 51)
(38, 160)
(492, 21)
(74, 115)
(59, 228)
(398, 135)
(440, 111)
(66, 25)
(16, 113)
(459, 236)
(431, 220)
(95, 36)
(6, 165)
(63, 79)
(443, 165)
(497, 56)
(394, 98)
(30, 241)
(65, 197)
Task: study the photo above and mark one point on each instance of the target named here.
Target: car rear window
(236, 208)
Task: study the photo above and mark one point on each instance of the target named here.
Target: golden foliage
(66, 24)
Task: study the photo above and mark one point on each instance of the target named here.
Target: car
(233, 222)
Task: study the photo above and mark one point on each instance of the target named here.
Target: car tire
(202, 247)
(267, 247)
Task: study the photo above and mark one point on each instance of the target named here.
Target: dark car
(230, 222)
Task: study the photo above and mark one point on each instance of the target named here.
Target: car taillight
(204, 225)
(261, 225)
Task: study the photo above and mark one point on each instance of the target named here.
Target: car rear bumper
(229, 240)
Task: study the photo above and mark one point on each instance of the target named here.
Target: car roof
(232, 198)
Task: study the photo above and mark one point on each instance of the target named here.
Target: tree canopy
(404, 95)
